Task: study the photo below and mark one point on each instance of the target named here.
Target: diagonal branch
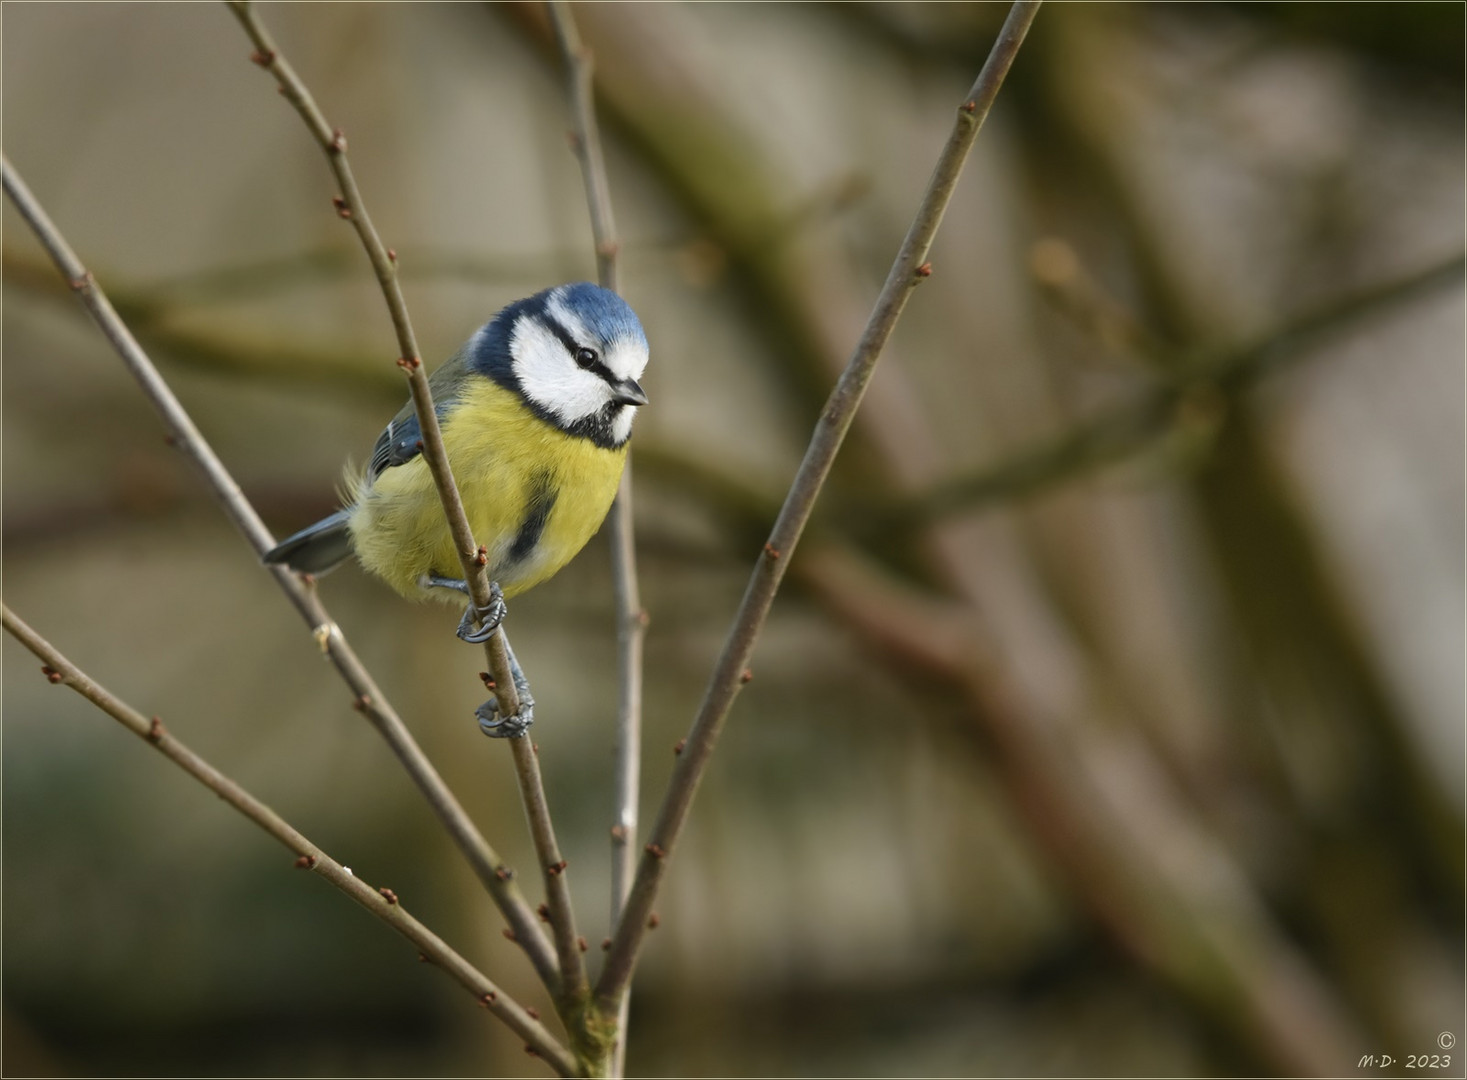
(731, 669)
(631, 620)
(370, 700)
(382, 903)
(1126, 428)
(472, 557)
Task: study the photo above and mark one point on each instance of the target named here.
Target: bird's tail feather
(316, 548)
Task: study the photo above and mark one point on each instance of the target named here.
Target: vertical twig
(731, 669)
(383, 903)
(631, 620)
(472, 558)
(182, 434)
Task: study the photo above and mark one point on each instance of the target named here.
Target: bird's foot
(477, 624)
(509, 727)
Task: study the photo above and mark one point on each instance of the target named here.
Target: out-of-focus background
(1111, 720)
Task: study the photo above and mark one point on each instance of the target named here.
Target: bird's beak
(628, 392)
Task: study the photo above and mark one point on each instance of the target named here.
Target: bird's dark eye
(586, 357)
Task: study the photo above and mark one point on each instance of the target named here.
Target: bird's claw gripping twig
(477, 623)
(509, 727)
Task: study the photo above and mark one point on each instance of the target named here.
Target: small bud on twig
(155, 730)
(543, 912)
(654, 921)
(508, 934)
(409, 363)
(503, 873)
(489, 999)
(925, 270)
(362, 704)
(391, 255)
(305, 862)
(605, 944)
(746, 676)
(533, 1013)
(52, 675)
(678, 747)
(655, 850)
(263, 57)
(556, 869)
(771, 551)
(388, 895)
(619, 833)
(78, 284)
(482, 556)
(338, 141)
(581, 944)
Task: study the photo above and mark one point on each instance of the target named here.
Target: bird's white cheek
(621, 427)
(549, 377)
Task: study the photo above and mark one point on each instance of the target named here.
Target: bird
(536, 410)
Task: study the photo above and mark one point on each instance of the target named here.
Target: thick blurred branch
(730, 670)
(571, 983)
(383, 903)
(368, 698)
(1126, 429)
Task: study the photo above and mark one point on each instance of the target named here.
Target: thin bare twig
(367, 697)
(731, 669)
(473, 559)
(383, 903)
(631, 620)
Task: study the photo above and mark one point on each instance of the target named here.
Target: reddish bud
(543, 912)
(409, 363)
(556, 869)
(388, 895)
(655, 850)
(581, 944)
(654, 921)
(482, 556)
(391, 255)
(305, 862)
(619, 832)
(263, 57)
(528, 1048)
(533, 1013)
(679, 746)
(771, 551)
(605, 944)
(52, 675)
(489, 999)
(503, 873)
(155, 730)
(362, 703)
(925, 270)
(422, 959)
(746, 676)
(338, 141)
(508, 934)
(79, 283)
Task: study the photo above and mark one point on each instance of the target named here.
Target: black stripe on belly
(537, 513)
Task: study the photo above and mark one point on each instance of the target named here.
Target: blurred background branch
(1144, 762)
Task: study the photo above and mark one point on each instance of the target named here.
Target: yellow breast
(533, 494)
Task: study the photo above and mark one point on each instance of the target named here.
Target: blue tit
(536, 409)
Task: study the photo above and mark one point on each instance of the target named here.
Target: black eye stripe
(597, 367)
